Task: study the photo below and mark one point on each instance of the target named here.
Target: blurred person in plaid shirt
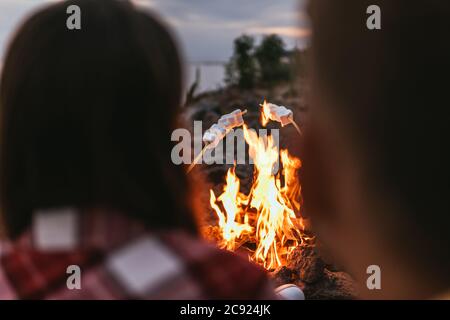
(86, 175)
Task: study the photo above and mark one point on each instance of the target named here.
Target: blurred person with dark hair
(86, 176)
(376, 161)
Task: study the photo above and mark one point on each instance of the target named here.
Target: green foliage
(266, 64)
(231, 73)
(269, 55)
(299, 63)
(241, 69)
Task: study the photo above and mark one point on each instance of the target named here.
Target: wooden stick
(297, 127)
(197, 158)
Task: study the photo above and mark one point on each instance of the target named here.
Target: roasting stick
(218, 131)
(280, 114)
(297, 127)
(197, 158)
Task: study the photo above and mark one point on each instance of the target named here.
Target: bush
(269, 55)
(241, 69)
(267, 64)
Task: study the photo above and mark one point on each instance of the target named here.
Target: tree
(242, 67)
(269, 55)
(298, 63)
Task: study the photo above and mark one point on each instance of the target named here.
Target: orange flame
(267, 215)
(265, 113)
(233, 224)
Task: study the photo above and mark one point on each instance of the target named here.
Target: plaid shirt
(119, 259)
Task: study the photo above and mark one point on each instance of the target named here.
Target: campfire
(266, 222)
(256, 210)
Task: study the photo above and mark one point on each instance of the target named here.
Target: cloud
(205, 28)
(293, 32)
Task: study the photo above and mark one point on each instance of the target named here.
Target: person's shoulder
(30, 274)
(221, 274)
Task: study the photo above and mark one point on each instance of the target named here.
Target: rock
(306, 262)
(332, 286)
(306, 269)
(283, 275)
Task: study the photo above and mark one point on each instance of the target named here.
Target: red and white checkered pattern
(119, 259)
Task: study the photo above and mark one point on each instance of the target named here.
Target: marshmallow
(226, 123)
(232, 120)
(280, 114)
(214, 134)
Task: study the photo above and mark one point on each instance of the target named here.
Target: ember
(267, 218)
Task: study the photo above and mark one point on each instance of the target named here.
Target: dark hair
(390, 88)
(86, 117)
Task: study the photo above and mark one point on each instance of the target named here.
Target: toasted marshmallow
(231, 120)
(280, 114)
(214, 134)
(218, 131)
